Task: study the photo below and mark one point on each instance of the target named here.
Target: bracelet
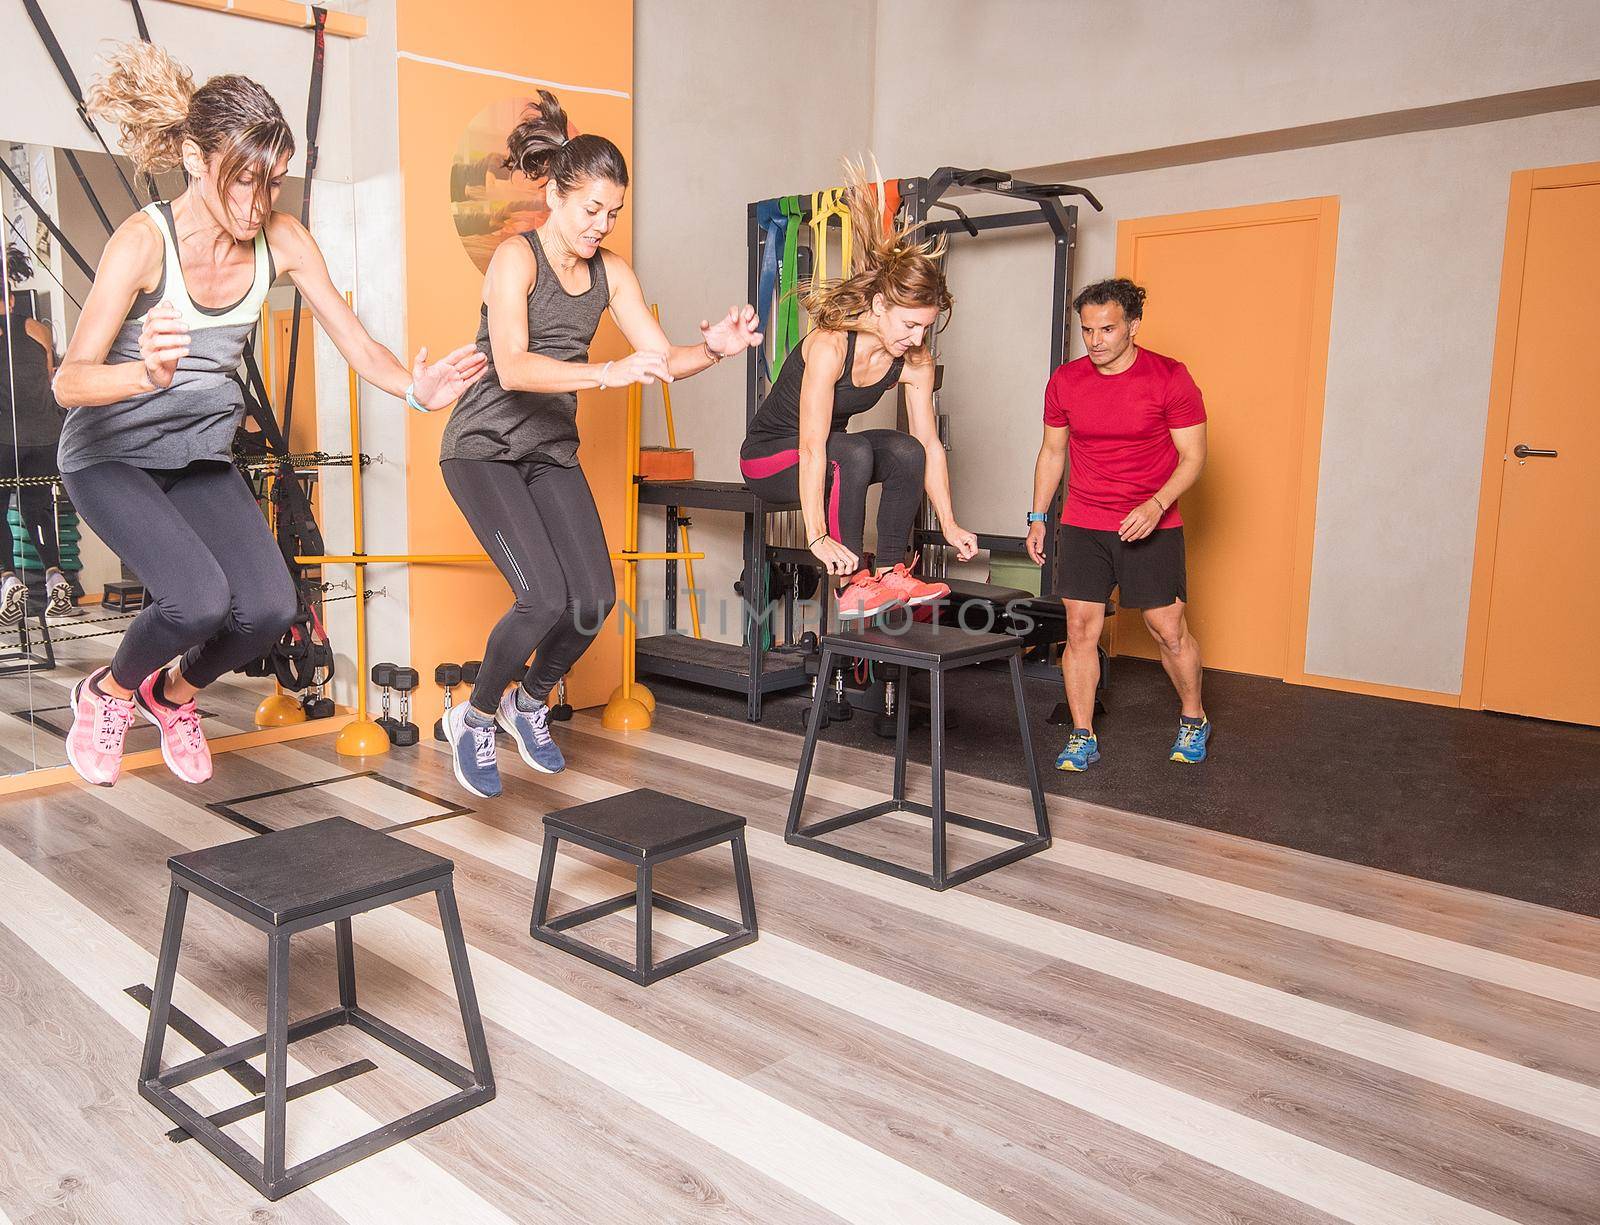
(823, 536)
(1158, 502)
(411, 399)
(603, 371)
(712, 354)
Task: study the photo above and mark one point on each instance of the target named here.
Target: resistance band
(771, 223)
(827, 206)
(787, 332)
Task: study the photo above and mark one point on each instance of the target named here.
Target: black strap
(66, 244)
(70, 80)
(313, 121)
(144, 35)
(39, 261)
(88, 189)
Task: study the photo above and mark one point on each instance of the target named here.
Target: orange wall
(589, 45)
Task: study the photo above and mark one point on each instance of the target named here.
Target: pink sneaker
(907, 588)
(99, 723)
(183, 744)
(863, 597)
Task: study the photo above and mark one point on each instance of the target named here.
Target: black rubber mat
(1491, 802)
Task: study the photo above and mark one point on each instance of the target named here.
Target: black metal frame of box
(835, 647)
(644, 969)
(268, 1174)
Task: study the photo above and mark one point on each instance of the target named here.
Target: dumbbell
(404, 733)
(447, 677)
(383, 677)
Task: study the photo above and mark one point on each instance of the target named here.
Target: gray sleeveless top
(490, 422)
(196, 417)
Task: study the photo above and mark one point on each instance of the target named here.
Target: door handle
(1523, 451)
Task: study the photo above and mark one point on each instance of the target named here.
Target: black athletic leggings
(868, 457)
(219, 590)
(539, 523)
(35, 502)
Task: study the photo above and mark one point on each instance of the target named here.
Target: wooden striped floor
(1148, 1023)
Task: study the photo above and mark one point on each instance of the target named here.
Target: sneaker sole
(1066, 767)
(165, 755)
(77, 692)
(455, 768)
(1186, 761)
(522, 752)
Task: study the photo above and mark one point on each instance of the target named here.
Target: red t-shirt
(1117, 434)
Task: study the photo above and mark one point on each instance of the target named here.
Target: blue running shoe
(1082, 751)
(1190, 746)
(531, 730)
(472, 754)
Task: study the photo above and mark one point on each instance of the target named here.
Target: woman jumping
(869, 333)
(148, 379)
(510, 452)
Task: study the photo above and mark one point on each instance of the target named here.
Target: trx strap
(770, 225)
(64, 69)
(825, 207)
(66, 244)
(313, 119)
(138, 20)
(787, 332)
(40, 262)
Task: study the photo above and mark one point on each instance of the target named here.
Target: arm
(47, 342)
(131, 263)
(1191, 444)
(1047, 472)
(512, 273)
(824, 358)
(435, 386)
(732, 334)
(918, 382)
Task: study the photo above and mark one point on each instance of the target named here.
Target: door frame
(1324, 211)
(1497, 431)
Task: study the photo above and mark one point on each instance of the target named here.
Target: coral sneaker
(99, 724)
(864, 596)
(907, 588)
(183, 743)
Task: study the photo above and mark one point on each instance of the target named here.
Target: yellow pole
(277, 709)
(361, 737)
(628, 708)
(683, 530)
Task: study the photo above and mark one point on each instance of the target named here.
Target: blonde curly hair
(153, 101)
(884, 260)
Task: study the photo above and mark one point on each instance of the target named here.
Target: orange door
(1242, 296)
(1545, 543)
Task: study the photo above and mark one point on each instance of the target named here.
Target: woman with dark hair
(153, 407)
(29, 427)
(510, 452)
(869, 333)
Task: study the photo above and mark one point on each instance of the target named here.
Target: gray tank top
(490, 422)
(28, 413)
(196, 417)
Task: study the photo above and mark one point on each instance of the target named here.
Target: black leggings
(868, 457)
(37, 504)
(539, 523)
(219, 590)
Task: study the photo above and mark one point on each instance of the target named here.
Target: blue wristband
(1038, 516)
(411, 399)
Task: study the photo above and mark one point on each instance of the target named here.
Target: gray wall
(1025, 83)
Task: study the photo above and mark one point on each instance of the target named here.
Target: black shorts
(1148, 573)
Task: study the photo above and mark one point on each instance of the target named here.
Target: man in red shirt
(1135, 427)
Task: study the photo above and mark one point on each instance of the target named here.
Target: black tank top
(778, 418)
(28, 413)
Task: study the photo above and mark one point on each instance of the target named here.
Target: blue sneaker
(1082, 751)
(1190, 746)
(472, 754)
(531, 730)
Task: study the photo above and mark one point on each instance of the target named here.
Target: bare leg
(1080, 662)
(1180, 654)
